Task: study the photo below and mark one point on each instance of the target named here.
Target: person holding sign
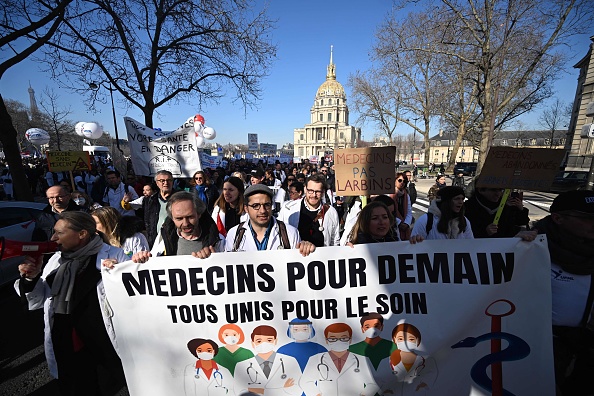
(268, 373)
(338, 372)
(262, 231)
(482, 207)
(206, 377)
(316, 221)
(445, 218)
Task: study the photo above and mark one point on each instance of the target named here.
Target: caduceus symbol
(516, 350)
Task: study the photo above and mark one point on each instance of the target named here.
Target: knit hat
(449, 192)
(578, 200)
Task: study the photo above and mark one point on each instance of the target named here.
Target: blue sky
(305, 31)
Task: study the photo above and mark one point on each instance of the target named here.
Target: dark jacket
(209, 234)
(481, 213)
(151, 207)
(212, 194)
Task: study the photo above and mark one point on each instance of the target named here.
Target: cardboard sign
(252, 141)
(61, 161)
(521, 168)
(365, 171)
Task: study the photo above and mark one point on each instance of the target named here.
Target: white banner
(153, 150)
(252, 141)
(445, 305)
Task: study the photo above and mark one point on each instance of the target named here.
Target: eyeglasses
(293, 192)
(162, 181)
(334, 339)
(400, 180)
(60, 197)
(290, 179)
(324, 171)
(257, 206)
(314, 192)
(198, 178)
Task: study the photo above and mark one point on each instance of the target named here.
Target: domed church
(329, 123)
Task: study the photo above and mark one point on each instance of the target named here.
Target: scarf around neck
(72, 263)
(574, 255)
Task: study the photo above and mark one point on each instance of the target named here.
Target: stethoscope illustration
(217, 376)
(323, 367)
(254, 379)
(418, 369)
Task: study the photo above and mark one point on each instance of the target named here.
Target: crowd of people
(252, 207)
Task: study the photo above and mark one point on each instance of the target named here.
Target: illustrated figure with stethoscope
(268, 373)
(338, 371)
(406, 372)
(205, 377)
(301, 331)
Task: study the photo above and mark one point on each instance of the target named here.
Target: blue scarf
(201, 193)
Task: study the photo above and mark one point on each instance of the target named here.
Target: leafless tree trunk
(554, 118)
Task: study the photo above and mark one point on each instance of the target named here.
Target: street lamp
(95, 87)
(412, 157)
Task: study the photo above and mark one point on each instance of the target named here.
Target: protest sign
(63, 161)
(153, 150)
(365, 171)
(447, 306)
(252, 141)
(266, 148)
(521, 168)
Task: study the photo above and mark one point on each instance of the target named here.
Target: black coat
(209, 235)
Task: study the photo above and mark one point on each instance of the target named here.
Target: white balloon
(78, 128)
(37, 136)
(92, 130)
(199, 141)
(209, 133)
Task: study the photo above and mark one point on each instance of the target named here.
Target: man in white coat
(338, 371)
(316, 221)
(268, 373)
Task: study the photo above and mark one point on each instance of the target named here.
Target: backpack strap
(282, 229)
(238, 236)
(429, 224)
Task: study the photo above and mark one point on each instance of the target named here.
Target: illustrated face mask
(205, 355)
(372, 332)
(339, 346)
(264, 347)
(231, 340)
(406, 346)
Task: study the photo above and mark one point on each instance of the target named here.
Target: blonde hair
(109, 218)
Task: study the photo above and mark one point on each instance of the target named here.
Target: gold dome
(331, 87)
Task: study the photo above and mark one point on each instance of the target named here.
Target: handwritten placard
(365, 171)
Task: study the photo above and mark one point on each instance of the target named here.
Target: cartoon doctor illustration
(206, 377)
(231, 336)
(268, 373)
(406, 372)
(338, 372)
(302, 331)
(373, 346)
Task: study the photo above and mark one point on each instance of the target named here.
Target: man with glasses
(316, 221)
(338, 371)
(570, 236)
(60, 200)
(263, 231)
(295, 190)
(153, 206)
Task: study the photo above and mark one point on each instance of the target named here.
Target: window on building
(321, 117)
(547, 142)
(320, 135)
(301, 151)
(329, 101)
(518, 142)
(562, 141)
(329, 117)
(322, 102)
(438, 142)
(337, 101)
(301, 137)
(436, 152)
(342, 135)
(533, 142)
(504, 142)
(337, 117)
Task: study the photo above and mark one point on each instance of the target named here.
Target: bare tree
(156, 52)
(374, 102)
(25, 26)
(554, 118)
(511, 46)
(58, 117)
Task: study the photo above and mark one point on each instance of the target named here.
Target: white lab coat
(405, 382)
(290, 215)
(40, 297)
(317, 380)
(217, 213)
(248, 244)
(274, 384)
(220, 382)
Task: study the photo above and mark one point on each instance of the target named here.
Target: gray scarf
(72, 263)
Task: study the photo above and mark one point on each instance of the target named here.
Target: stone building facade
(329, 121)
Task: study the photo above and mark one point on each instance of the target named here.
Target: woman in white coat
(406, 372)
(79, 335)
(206, 377)
(229, 210)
